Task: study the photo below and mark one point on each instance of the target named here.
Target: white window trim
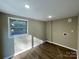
(9, 26)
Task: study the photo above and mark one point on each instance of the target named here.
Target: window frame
(9, 18)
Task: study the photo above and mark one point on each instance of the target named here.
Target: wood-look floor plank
(47, 51)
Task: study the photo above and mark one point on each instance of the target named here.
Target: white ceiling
(41, 9)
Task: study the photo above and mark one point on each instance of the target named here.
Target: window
(17, 26)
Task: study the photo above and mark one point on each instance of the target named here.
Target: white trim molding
(8, 57)
(62, 46)
(15, 54)
(9, 18)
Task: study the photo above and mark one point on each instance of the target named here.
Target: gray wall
(48, 31)
(59, 27)
(78, 39)
(8, 43)
(36, 28)
(0, 37)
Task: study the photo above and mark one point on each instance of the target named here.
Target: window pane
(18, 27)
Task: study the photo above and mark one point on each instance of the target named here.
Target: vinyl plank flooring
(47, 51)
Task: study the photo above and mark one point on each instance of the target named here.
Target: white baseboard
(16, 53)
(20, 52)
(41, 43)
(8, 57)
(62, 46)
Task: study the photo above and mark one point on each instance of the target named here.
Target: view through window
(18, 27)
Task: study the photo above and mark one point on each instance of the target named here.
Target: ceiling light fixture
(49, 16)
(27, 6)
